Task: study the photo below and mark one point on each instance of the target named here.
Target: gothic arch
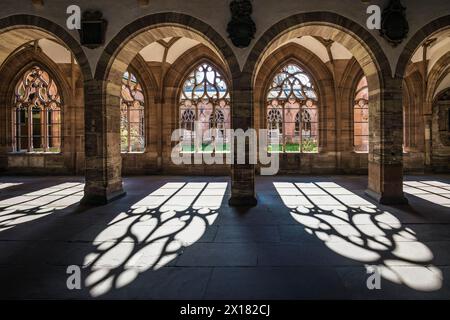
(181, 68)
(106, 184)
(436, 75)
(417, 39)
(13, 68)
(351, 78)
(320, 76)
(385, 149)
(413, 108)
(17, 30)
(152, 98)
(12, 71)
(169, 24)
(345, 96)
(34, 27)
(147, 78)
(440, 132)
(345, 31)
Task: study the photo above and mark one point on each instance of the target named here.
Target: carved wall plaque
(394, 25)
(241, 29)
(93, 29)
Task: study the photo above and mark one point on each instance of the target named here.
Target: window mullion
(44, 130)
(301, 127)
(283, 127)
(129, 128)
(214, 122)
(30, 129)
(14, 129)
(197, 147)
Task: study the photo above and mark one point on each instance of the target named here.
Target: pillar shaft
(242, 175)
(385, 145)
(102, 137)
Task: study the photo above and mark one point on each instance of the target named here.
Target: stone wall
(441, 135)
(70, 84)
(217, 14)
(336, 84)
(132, 27)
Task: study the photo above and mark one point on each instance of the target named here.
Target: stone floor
(177, 238)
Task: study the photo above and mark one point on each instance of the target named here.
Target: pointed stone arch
(16, 31)
(385, 156)
(103, 171)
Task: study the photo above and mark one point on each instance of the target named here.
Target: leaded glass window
(292, 112)
(132, 124)
(361, 117)
(37, 113)
(205, 98)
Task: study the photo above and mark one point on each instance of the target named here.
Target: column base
(243, 201)
(99, 200)
(385, 199)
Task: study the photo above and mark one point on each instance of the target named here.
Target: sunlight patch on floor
(356, 229)
(8, 184)
(37, 204)
(433, 191)
(152, 233)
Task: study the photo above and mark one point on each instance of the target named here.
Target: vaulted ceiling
(433, 49)
(167, 50)
(438, 46)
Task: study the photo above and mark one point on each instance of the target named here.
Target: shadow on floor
(183, 241)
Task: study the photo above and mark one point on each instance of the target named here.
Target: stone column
(4, 140)
(5, 122)
(242, 175)
(385, 144)
(102, 146)
(3, 156)
(428, 140)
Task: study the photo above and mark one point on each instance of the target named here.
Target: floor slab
(177, 238)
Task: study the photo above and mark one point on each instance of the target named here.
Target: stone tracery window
(37, 113)
(205, 99)
(292, 113)
(132, 124)
(361, 117)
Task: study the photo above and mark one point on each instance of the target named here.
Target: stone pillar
(5, 124)
(102, 146)
(428, 139)
(4, 134)
(385, 144)
(3, 156)
(242, 175)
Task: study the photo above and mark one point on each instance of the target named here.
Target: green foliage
(135, 139)
(309, 145)
(274, 148)
(292, 147)
(206, 147)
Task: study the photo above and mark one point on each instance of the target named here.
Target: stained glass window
(292, 113)
(37, 113)
(132, 124)
(361, 117)
(205, 98)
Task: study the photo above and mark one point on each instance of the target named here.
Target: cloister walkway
(176, 237)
